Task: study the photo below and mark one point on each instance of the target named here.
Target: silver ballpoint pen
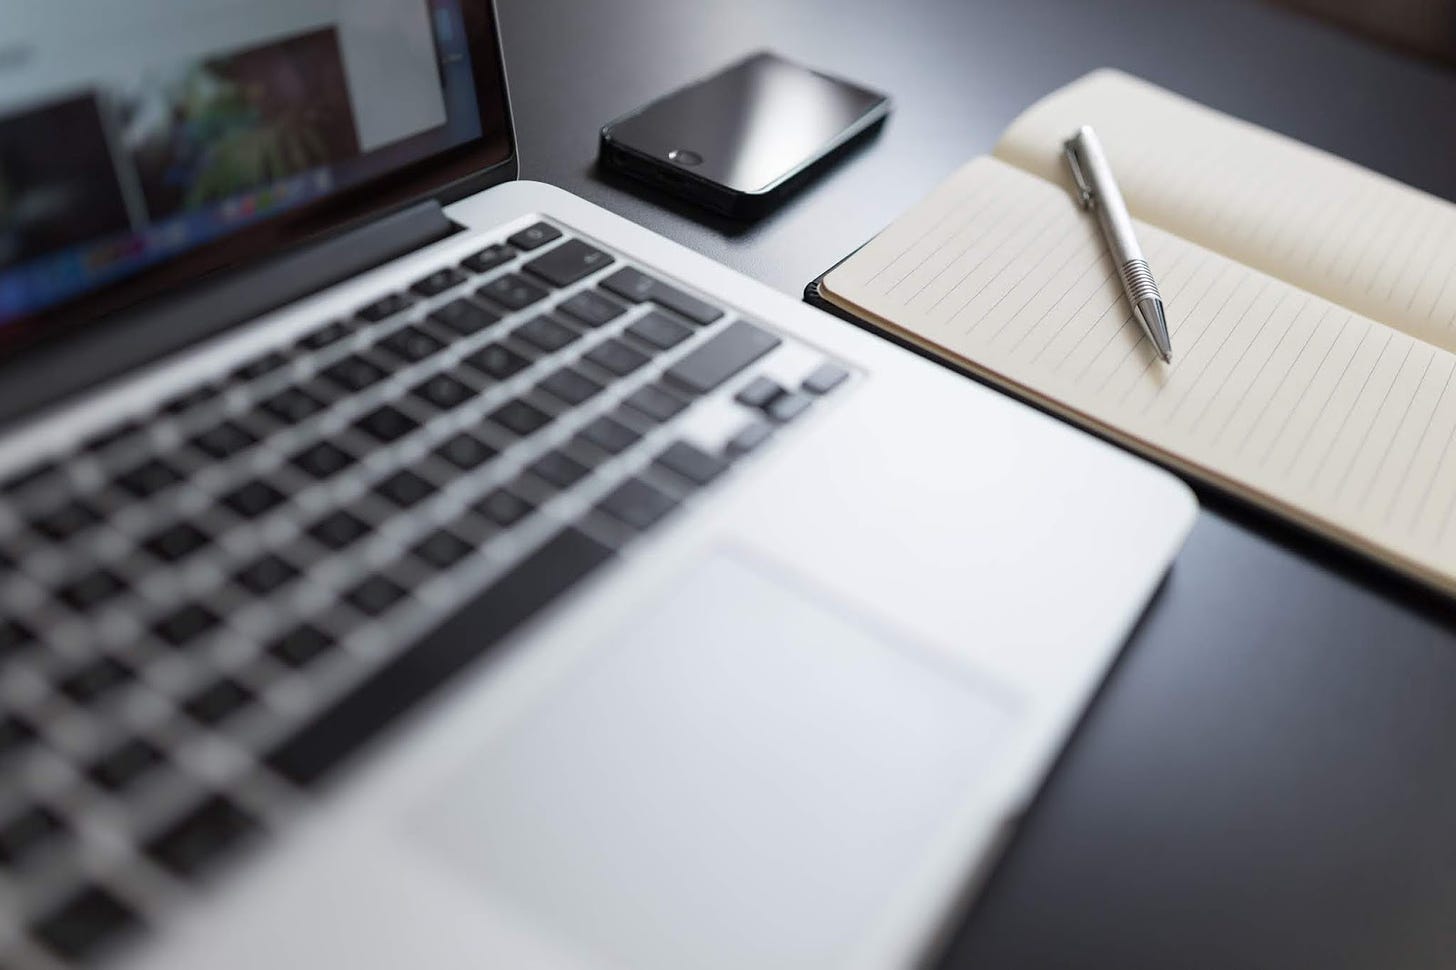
(1099, 191)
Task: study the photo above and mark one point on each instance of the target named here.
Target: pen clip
(1084, 188)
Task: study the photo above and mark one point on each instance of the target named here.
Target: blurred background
(1426, 27)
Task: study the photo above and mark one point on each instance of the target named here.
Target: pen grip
(1138, 281)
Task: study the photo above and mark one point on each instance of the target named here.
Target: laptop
(406, 565)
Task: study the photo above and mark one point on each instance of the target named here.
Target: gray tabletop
(1267, 779)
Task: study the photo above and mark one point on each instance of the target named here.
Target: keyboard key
(616, 357)
(571, 386)
(147, 479)
(466, 452)
(758, 393)
(592, 308)
(386, 424)
(190, 400)
(610, 436)
(573, 260)
(826, 377)
(326, 335)
(176, 542)
(323, 460)
(86, 925)
(217, 703)
(259, 366)
(706, 368)
(512, 292)
(521, 418)
(384, 307)
(504, 507)
(497, 361)
(559, 469)
(325, 744)
(488, 259)
(534, 237)
(15, 735)
(200, 839)
(637, 286)
(375, 596)
(787, 407)
(660, 330)
(67, 521)
(692, 463)
(224, 440)
(14, 636)
(464, 317)
(749, 439)
(411, 344)
(443, 392)
(292, 406)
(111, 437)
(438, 282)
(638, 504)
(26, 833)
(354, 373)
(253, 499)
(266, 574)
(86, 593)
(95, 680)
(184, 625)
(546, 333)
(441, 549)
(655, 403)
(126, 764)
(28, 478)
(301, 646)
(405, 489)
(338, 530)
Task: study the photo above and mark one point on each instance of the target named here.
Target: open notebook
(1312, 306)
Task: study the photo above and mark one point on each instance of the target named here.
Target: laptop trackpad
(742, 777)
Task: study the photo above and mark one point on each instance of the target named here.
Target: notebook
(1311, 302)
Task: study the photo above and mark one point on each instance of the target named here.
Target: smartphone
(740, 141)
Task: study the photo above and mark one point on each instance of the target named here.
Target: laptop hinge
(133, 338)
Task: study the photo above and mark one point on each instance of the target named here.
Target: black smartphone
(741, 140)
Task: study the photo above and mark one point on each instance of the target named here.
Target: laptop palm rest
(740, 777)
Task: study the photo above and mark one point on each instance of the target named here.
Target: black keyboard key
(323, 460)
(259, 366)
(411, 344)
(322, 746)
(512, 292)
(384, 307)
(749, 439)
(655, 403)
(759, 393)
(534, 237)
(89, 591)
(292, 406)
(253, 499)
(126, 764)
(441, 549)
(692, 463)
(184, 625)
(465, 452)
(218, 702)
(183, 403)
(375, 596)
(15, 735)
(405, 489)
(338, 530)
(660, 330)
(787, 407)
(86, 926)
(224, 440)
(464, 317)
(176, 542)
(27, 832)
(95, 680)
(520, 418)
(28, 478)
(147, 479)
(571, 386)
(14, 636)
(438, 282)
(386, 424)
(354, 373)
(504, 507)
(610, 436)
(488, 259)
(444, 392)
(497, 361)
(616, 357)
(546, 333)
(592, 308)
(203, 837)
(69, 520)
(301, 646)
(266, 574)
(826, 377)
(573, 260)
(112, 436)
(720, 358)
(637, 286)
(325, 336)
(559, 469)
(638, 504)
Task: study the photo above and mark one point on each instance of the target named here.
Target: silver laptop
(405, 565)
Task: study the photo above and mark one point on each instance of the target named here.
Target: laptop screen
(143, 136)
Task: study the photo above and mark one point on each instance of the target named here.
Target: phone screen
(751, 125)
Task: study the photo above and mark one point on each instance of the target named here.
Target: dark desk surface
(1269, 777)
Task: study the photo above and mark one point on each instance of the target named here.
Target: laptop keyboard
(205, 609)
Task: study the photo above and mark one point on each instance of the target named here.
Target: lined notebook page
(1275, 393)
(1360, 239)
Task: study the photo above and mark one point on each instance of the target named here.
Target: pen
(1099, 191)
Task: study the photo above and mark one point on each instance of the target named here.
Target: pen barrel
(1138, 282)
